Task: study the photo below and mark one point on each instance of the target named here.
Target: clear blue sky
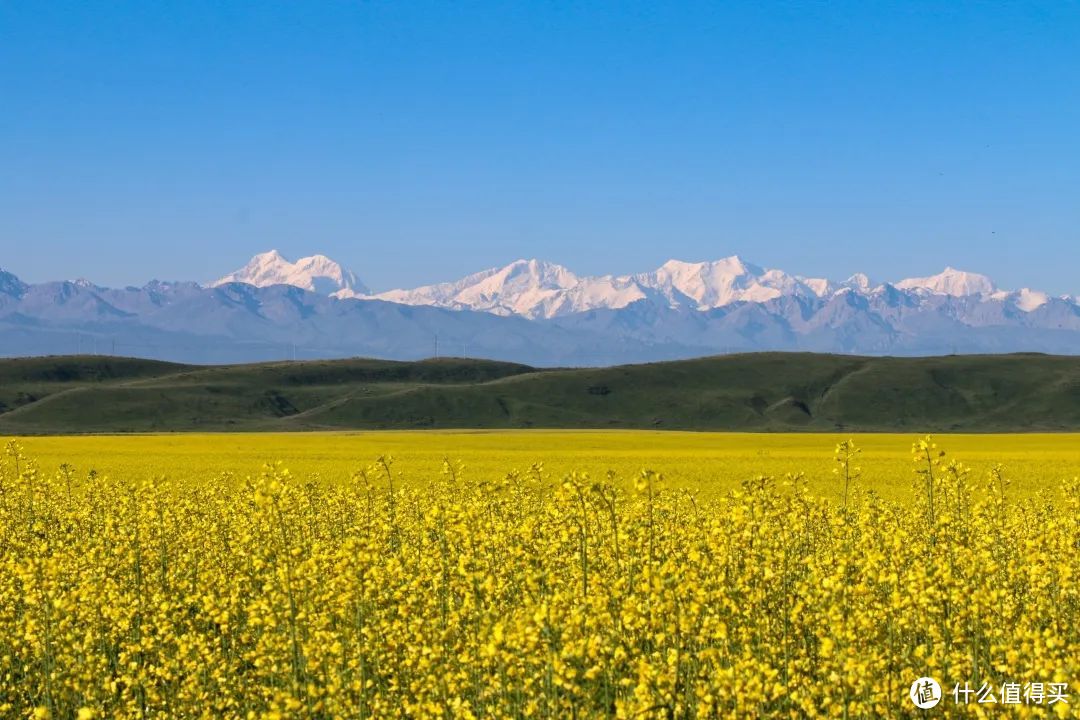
(418, 141)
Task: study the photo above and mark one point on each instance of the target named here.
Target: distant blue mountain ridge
(531, 312)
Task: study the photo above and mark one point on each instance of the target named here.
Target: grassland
(754, 392)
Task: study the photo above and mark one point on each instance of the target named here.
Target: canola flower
(711, 462)
(527, 596)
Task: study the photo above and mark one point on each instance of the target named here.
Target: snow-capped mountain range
(533, 311)
(541, 289)
(317, 273)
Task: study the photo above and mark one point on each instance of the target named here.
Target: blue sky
(416, 141)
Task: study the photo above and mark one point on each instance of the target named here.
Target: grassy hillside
(761, 391)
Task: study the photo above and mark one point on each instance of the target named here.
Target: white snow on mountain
(858, 281)
(709, 284)
(729, 280)
(669, 312)
(956, 283)
(1028, 300)
(540, 289)
(533, 288)
(316, 273)
(820, 286)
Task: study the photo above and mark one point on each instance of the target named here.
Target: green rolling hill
(760, 391)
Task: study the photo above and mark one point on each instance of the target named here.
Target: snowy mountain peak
(537, 288)
(819, 286)
(1029, 300)
(524, 287)
(951, 281)
(722, 282)
(540, 273)
(316, 273)
(680, 309)
(534, 288)
(731, 266)
(859, 281)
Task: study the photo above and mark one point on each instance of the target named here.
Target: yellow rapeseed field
(704, 461)
(764, 576)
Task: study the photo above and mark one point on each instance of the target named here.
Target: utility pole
(436, 346)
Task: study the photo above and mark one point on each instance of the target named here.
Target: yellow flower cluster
(525, 597)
